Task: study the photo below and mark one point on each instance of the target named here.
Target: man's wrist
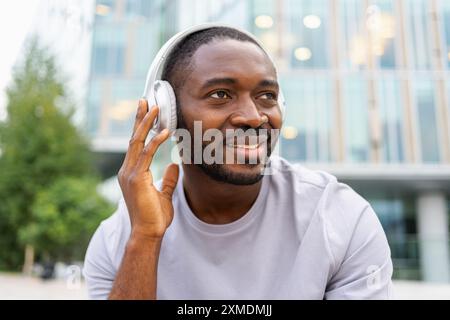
(139, 241)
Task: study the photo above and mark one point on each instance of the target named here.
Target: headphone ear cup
(166, 101)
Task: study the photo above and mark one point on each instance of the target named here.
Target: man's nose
(248, 115)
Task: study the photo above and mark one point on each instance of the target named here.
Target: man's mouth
(254, 142)
(251, 150)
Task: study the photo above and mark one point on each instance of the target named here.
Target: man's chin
(236, 174)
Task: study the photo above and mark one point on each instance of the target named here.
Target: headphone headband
(154, 73)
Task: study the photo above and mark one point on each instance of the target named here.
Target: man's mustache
(248, 136)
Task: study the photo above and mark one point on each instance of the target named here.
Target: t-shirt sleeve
(363, 258)
(98, 269)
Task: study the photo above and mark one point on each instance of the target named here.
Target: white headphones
(161, 93)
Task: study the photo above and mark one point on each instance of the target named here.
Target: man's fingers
(170, 180)
(144, 127)
(137, 141)
(141, 112)
(146, 156)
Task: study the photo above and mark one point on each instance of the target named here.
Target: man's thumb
(170, 180)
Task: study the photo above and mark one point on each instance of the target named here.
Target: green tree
(64, 218)
(39, 145)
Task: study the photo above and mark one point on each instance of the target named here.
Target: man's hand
(150, 210)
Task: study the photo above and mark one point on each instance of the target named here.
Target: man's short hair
(179, 64)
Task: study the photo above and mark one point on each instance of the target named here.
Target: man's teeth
(244, 146)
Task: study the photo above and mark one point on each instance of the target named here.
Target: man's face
(233, 85)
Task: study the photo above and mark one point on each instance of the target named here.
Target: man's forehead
(231, 58)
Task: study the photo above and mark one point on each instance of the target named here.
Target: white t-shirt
(306, 236)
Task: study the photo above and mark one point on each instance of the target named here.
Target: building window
(122, 108)
(391, 116)
(104, 10)
(368, 34)
(307, 130)
(306, 38)
(356, 119)
(143, 52)
(263, 24)
(419, 34)
(448, 210)
(108, 60)
(382, 26)
(445, 9)
(140, 8)
(448, 99)
(397, 214)
(354, 39)
(427, 124)
(93, 108)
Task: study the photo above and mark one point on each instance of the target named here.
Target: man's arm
(150, 210)
(366, 269)
(136, 278)
(98, 269)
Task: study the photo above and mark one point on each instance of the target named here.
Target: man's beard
(220, 172)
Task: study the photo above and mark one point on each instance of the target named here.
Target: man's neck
(217, 202)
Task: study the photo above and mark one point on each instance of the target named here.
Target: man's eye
(220, 95)
(268, 96)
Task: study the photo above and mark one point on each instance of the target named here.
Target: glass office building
(367, 84)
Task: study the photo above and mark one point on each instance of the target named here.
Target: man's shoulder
(114, 231)
(333, 199)
(339, 209)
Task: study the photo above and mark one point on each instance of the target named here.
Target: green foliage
(39, 146)
(64, 217)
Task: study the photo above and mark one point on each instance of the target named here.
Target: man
(226, 231)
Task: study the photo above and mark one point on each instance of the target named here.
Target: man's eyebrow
(268, 83)
(216, 81)
(230, 81)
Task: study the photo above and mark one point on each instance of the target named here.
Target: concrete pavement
(16, 286)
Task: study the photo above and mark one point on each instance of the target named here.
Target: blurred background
(367, 84)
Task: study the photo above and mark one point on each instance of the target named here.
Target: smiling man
(227, 230)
